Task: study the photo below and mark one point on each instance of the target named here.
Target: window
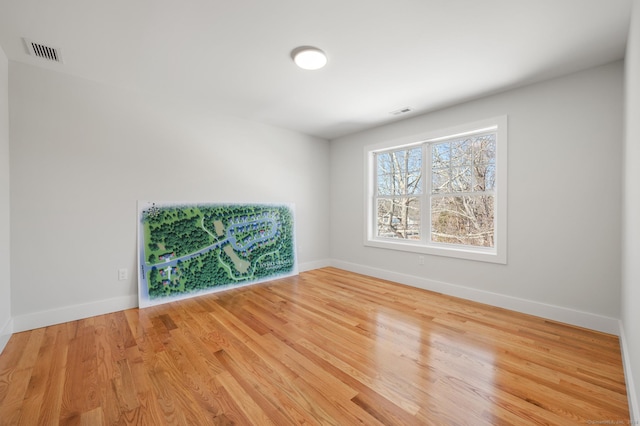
(443, 193)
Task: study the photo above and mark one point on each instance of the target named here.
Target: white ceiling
(384, 55)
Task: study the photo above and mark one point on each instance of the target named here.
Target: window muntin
(439, 194)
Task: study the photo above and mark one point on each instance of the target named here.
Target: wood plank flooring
(327, 347)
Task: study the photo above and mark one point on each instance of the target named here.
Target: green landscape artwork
(192, 249)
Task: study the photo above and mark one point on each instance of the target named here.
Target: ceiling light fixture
(309, 58)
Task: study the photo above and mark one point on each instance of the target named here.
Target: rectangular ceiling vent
(401, 111)
(41, 51)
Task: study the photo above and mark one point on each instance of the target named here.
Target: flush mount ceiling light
(309, 58)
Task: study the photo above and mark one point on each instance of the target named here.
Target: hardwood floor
(326, 347)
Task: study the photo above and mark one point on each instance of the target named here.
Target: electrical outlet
(420, 260)
(123, 274)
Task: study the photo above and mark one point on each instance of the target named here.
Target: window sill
(479, 254)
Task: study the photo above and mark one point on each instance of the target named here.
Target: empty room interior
(464, 178)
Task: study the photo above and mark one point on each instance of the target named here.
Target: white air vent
(41, 51)
(401, 111)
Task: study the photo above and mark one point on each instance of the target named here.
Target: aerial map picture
(192, 249)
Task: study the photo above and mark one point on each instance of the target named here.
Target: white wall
(564, 202)
(82, 154)
(5, 275)
(631, 216)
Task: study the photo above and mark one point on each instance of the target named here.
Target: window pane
(464, 165)
(385, 185)
(384, 173)
(440, 155)
(466, 220)
(484, 177)
(485, 149)
(461, 179)
(461, 152)
(440, 181)
(399, 218)
(400, 172)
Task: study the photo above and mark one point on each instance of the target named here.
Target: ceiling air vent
(401, 111)
(41, 51)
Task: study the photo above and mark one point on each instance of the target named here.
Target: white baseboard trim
(557, 313)
(316, 264)
(634, 408)
(71, 313)
(552, 312)
(5, 333)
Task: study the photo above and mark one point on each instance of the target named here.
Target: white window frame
(496, 254)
